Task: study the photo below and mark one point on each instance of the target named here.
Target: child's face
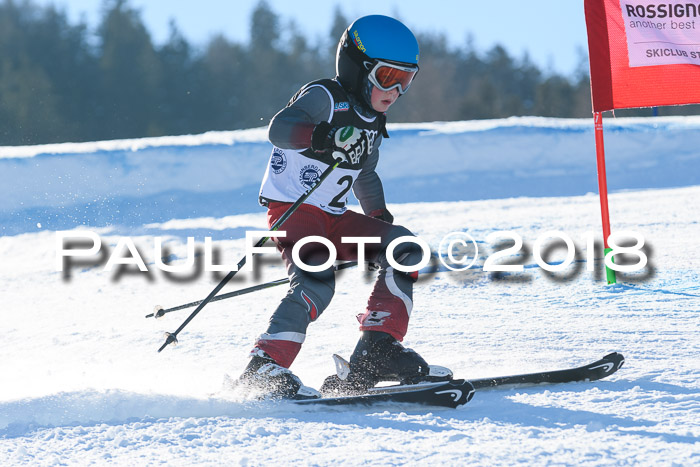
(382, 100)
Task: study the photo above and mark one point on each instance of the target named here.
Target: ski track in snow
(81, 381)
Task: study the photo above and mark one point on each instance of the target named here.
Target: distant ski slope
(133, 182)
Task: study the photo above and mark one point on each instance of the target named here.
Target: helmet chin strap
(366, 91)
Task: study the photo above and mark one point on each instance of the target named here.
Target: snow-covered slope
(81, 381)
(134, 182)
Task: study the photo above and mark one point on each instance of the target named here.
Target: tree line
(63, 82)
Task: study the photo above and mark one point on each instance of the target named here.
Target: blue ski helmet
(366, 40)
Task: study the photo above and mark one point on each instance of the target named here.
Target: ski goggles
(387, 76)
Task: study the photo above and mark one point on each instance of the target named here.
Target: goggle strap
(355, 54)
(398, 65)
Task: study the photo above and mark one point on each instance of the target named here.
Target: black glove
(347, 144)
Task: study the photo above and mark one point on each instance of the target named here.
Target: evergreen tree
(130, 75)
(265, 72)
(178, 88)
(338, 26)
(223, 104)
(42, 61)
(55, 85)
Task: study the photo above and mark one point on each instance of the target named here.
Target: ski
(442, 394)
(459, 391)
(592, 372)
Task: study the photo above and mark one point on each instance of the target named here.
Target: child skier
(376, 60)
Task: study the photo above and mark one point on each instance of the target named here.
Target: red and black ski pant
(390, 304)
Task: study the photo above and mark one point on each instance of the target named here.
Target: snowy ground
(81, 381)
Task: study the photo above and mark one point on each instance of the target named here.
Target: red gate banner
(643, 53)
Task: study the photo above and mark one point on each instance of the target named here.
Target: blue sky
(551, 31)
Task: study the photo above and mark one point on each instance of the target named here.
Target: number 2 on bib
(338, 202)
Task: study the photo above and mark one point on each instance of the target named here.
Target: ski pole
(171, 337)
(159, 311)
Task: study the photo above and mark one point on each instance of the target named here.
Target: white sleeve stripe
(330, 96)
(285, 336)
(394, 289)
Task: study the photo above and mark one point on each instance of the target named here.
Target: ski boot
(268, 380)
(380, 357)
